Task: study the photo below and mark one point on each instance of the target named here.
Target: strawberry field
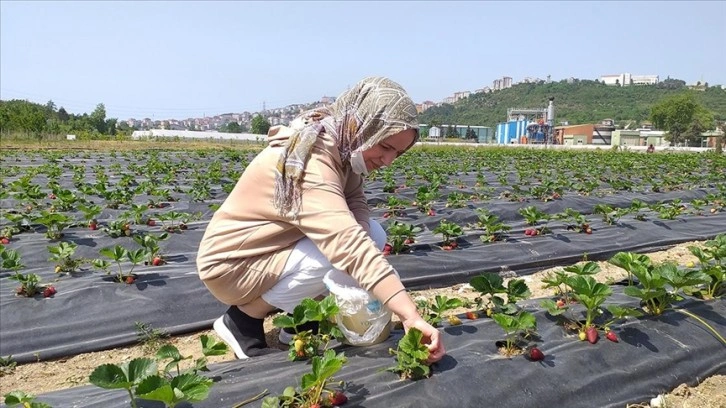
(95, 244)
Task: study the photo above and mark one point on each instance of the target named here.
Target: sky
(183, 59)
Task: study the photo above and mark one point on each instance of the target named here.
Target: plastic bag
(362, 318)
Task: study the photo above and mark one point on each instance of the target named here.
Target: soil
(46, 376)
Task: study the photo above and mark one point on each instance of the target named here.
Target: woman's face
(385, 152)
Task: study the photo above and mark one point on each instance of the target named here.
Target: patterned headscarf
(373, 110)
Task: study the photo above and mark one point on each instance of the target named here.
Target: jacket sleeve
(325, 218)
(356, 200)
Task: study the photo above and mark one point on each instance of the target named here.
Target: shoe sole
(223, 332)
(285, 338)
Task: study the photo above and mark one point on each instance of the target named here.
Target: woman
(298, 211)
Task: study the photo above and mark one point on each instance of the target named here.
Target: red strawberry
(4, 241)
(611, 336)
(130, 280)
(471, 315)
(409, 241)
(528, 232)
(150, 222)
(592, 335)
(431, 213)
(560, 303)
(536, 354)
(386, 214)
(454, 244)
(157, 261)
(338, 398)
(387, 248)
(52, 196)
(49, 291)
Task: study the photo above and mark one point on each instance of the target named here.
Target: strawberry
(560, 303)
(58, 269)
(4, 241)
(528, 232)
(157, 261)
(611, 336)
(299, 344)
(471, 315)
(52, 196)
(386, 253)
(453, 244)
(490, 312)
(588, 230)
(182, 226)
(447, 247)
(591, 334)
(536, 354)
(454, 320)
(337, 398)
(129, 280)
(409, 241)
(582, 336)
(150, 222)
(49, 291)
(386, 214)
(387, 247)
(431, 213)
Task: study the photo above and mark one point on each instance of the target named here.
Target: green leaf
(194, 387)
(410, 344)
(138, 369)
(211, 347)
(517, 289)
(271, 402)
(169, 351)
(283, 321)
(156, 388)
(110, 376)
(488, 283)
(17, 397)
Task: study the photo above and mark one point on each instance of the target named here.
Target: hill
(582, 101)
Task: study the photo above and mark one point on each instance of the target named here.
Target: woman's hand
(431, 337)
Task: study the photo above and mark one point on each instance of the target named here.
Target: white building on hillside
(626, 79)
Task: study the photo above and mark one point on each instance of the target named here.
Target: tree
(63, 115)
(259, 125)
(677, 115)
(232, 127)
(98, 118)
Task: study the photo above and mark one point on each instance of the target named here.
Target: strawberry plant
(118, 228)
(54, 223)
(450, 231)
(7, 365)
(636, 206)
(517, 328)
(455, 199)
(90, 212)
(174, 221)
(150, 244)
(136, 213)
(62, 255)
(10, 259)
(394, 206)
(141, 378)
(713, 264)
(29, 284)
(490, 285)
(411, 356)
(118, 254)
(305, 344)
(401, 235)
(425, 198)
(434, 312)
(492, 226)
(575, 221)
(533, 216)
(24, 400)
(312, 385)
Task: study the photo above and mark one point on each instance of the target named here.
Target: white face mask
(358, 164)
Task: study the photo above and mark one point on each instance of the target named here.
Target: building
(710, 138)
(626, 79)
(482, 134)
(574, 134)
(622, 137)
(512, 131)
(461, 95)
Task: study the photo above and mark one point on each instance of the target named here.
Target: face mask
(358, 164)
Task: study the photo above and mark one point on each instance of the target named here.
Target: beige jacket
(246, 244)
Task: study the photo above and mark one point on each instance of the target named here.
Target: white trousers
(304, 270)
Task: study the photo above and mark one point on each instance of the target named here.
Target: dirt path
(73, 371)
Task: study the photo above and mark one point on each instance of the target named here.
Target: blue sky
(180, 59)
